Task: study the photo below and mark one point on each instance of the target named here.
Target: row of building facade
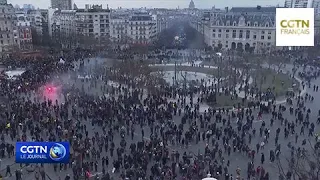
(119, 25)
(18, 28)
(248, 28)
(15, 28)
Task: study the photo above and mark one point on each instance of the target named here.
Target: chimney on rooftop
(227, 9)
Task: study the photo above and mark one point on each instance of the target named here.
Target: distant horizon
(152, 4)
(158, 7)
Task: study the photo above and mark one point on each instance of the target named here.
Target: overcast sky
(157, 3)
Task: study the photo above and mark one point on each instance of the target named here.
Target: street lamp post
(219, 76)
(235, 72)
(175, 71)
(184, 85)
(172, 82)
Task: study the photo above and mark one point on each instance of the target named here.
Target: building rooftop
(68, 11)
(141, 13)
(119, 16)
(3, 2)
(93, 10)
(257, 9)
(141, 18)
(260, 19)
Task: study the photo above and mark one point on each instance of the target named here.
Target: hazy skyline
(156, 3)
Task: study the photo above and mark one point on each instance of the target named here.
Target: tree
(273, 59)
(312, 52)
(245, 72)
(278, 61)
(36, 37)
(140, 49)
(41, 39)
(209, 49)
(70, 40)
(166, 38)
(140, 73)
(123, 44)
(219, 46)
(191, 37)
(89, 42)
(239, 49)
(234, 71)
(303, 164)
(251, 50)
(317, 40)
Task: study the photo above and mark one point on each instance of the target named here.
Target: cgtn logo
(295, 27)
(298, 26)
(42, 152)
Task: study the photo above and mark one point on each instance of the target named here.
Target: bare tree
(245, 72)
(234, 73)
(87, 42)
(317, 40)
(302, 165)
(312, 52)
(140, 49)
(138, 72)
(278, 61)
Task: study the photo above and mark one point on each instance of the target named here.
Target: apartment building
(288, 3)
(68, 22)
(142, 28)
(93, 21)
(61, 4)
(36, 20)
(3, 2)
(306, 4)
(119, 25)
(63, 28)
(44, 25)
(39, 23)
(24, 32)
(54, 25)
(299, 3)
(80, 25)
(161, 23)
(317, 30)
(9, 39)
(316, 6)
(138, 27)
(249, 29)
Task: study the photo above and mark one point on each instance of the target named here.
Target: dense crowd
(131, 134)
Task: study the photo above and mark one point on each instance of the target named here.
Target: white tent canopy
(209, 178)
(14, 73)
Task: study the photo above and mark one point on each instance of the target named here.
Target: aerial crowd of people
(122, 131)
